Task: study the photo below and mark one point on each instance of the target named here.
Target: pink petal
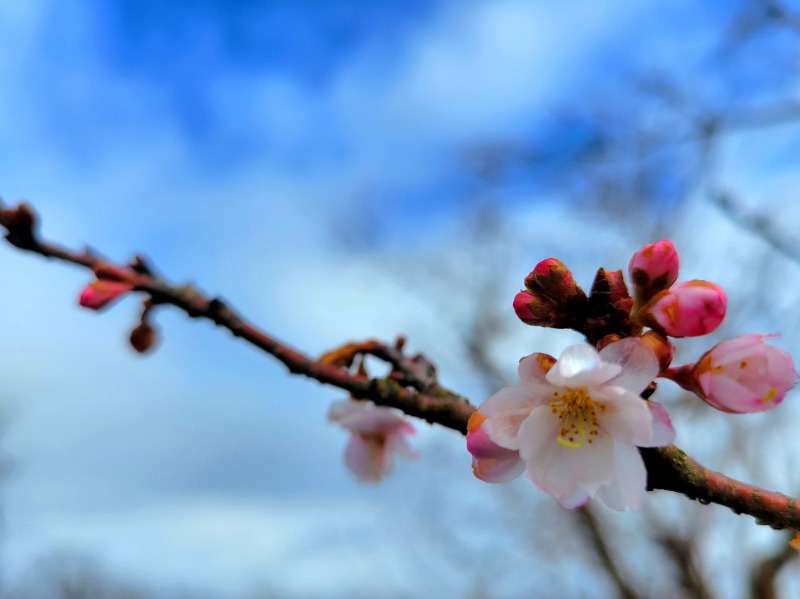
(505, 412)
(638, 363)
(727, 395)
(366, 459)
(663, 433)
(532, 372)
(498, 470)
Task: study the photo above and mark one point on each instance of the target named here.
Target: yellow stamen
(578, 414)
(770, 395)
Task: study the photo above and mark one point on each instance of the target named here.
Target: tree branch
(668, 467)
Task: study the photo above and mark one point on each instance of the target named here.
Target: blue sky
(222, 139)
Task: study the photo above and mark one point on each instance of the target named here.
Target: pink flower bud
(744, 375)
(490, 462)
(653, 268)
(552, 278)
(687, 309)
(100, 293)
(536, 309)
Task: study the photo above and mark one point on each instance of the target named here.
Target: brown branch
(592, 527)
(668, 467)
(682, 553)
(759, 224)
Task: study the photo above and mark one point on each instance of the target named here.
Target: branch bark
(668, 467)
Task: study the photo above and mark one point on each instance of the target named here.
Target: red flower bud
(536, 309)
(100, 293)
(552, 278)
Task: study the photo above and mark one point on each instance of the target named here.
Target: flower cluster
(574, 425)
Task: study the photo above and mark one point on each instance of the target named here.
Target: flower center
(577, 412)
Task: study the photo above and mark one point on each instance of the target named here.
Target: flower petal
(638, 363)
(498, 470)
(629, 483)
(579, 366)
(505, 412)
(663, 433)
(532, 372)
(573, 500)
(366, 458)
(559, 470)
(626, 417)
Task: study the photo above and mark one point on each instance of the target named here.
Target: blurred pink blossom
(377, 435)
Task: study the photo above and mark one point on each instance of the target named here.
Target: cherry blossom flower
(102, 292)
(378, 434)
(577, 422)
(744, 375)
(653, 268)
(688, 309)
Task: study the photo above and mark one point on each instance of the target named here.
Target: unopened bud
(536, 309)
(101, 293)
(744, 375)
(552, 278)
(653, 268)
(143, 337)
(687, 309)
(618, 291)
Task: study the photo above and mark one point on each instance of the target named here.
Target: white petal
(576, 499)
(629, 483)
(626, 417)
(559, 470)
(505, 412)
(639, 365)
(580, 366)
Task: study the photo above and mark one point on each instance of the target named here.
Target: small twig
(415, 371)
(762, 581)
(592, 526)
(759, 224)
(682, 554)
